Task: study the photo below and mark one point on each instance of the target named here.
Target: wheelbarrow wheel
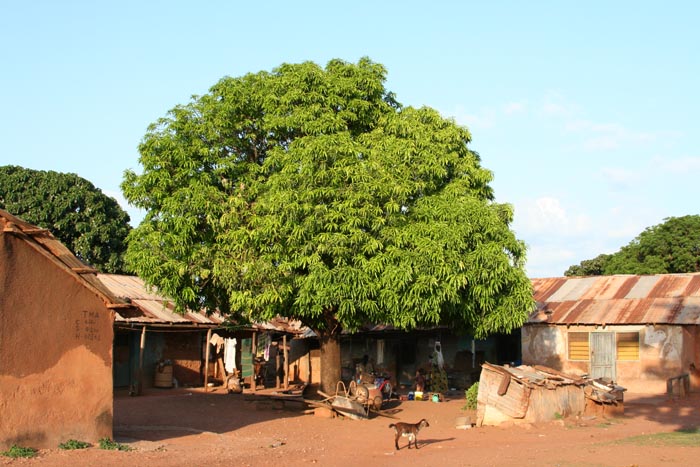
(377, 403)
(361, 393)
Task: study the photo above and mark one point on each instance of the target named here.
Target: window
(578, 346)
(628, 346)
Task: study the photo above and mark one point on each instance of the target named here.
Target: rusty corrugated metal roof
(151, 308)
(619, 299)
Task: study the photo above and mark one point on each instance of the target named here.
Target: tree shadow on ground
(170, 413)
(674, 412)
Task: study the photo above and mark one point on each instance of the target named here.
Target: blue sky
(586, 112)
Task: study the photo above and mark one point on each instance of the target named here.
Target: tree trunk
(330, 362)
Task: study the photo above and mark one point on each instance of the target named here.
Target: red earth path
(188, 427)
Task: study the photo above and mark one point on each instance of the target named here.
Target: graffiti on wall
(667, 342)
(86, 326)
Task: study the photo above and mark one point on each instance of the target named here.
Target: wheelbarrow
(355, 401)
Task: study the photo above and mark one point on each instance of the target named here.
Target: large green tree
(670, 247)
(310, 193)
(91, 224)
(589, 267)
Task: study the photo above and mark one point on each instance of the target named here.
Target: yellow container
(418, 395)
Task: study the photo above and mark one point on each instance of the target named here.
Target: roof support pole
(278, 378)
(473, 353)
(253, 352)
(206, 361)
(286, 362)
(142, 349)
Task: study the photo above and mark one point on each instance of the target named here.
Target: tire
(361, 393)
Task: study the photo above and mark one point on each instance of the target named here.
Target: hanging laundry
(268, 343)
(218, 342)
(230, 355)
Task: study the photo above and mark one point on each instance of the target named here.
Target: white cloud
(549, 260)
(556, 105)
(554, 109)
(681, 165)
(602, 143)
(484, 119)
(621, 176)
(654, 170)
(546, 215)
(513, 108)
(625, 230)
(608, 136)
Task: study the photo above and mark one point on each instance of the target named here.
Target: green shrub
(471, 394)
(108, 444)
(19, 451)
(74, 444)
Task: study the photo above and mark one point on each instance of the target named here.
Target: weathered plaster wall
(691, 337)
(664, 351)
(543, 345)
(184, 349)
(661, 357)
(301, 363)
(55, 352)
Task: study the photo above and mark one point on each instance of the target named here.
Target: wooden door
(603, 355)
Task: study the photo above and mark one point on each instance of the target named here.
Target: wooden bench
(683, 383)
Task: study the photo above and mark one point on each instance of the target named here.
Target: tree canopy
(91, 224)
(670, 247)
(311, 193)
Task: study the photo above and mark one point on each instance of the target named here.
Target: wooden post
(286, 362)
(308, 360)
(253, 352)
(206, 362)
(142, 348)
(222, 369)
(278, 380)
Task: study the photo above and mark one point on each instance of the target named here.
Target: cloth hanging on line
(217, 341)
(380, 352)
(230, 355)
(268, 343)
(438, 355)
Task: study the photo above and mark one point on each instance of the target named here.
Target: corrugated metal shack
(151, 335)
(527, 394)
(640, 331)
(150, 331)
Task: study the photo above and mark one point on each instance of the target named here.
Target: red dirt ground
(187, 427)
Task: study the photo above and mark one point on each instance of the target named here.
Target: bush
(74, 444)
(471, 394)
(108, 444)
(19, 451)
